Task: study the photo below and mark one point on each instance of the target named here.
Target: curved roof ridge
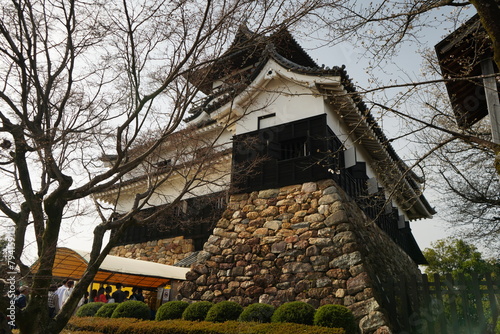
(288, 34)
(272, 51)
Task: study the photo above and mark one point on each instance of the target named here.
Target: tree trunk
(34, 319)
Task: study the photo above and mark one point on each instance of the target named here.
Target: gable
(243, 58)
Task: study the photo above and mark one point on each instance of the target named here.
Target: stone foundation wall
(165, 251)
(305, 242)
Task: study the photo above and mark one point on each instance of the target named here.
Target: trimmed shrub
(335, 316)
(106, 310)
(197, 311)
(65, 331)
(224, 311)
(171, 310)
(103, 325)
(257, 312)
(134, 326)
(295, 312)
(132, 309)
(89, 309)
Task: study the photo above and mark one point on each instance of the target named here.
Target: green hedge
(106, 310)
(132, 309)
(224, 311)
(294, 312)
(171, 310)
(197, 311)
(335, 316)
(134, 326)
(257, 312)
(89, 309)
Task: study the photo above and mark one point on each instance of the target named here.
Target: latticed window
(220, 202)
(294, 148)
(180, 208)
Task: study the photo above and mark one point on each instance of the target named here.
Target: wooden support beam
(491, 95)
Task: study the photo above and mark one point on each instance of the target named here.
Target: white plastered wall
(214, 178)
(169, 190)
(287, 100)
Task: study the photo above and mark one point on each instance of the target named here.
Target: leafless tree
(380, 29)
(460, 172)
(456, 162)
(81, 80)
(463, 164)
(382, 26)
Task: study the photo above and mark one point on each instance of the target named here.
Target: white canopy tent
(114, 269)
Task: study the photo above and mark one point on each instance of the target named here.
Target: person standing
(84, 300)
(137, 294)
(53, 301)
(22, 300)
(93, 296)
(60, 292)
(118, 295)
(86, 297)
(101, 296)
(109, 299)
(67, 292)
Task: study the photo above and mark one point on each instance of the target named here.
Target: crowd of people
(104, 294)
(58, 295)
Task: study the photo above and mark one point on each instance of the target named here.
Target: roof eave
(408, 198)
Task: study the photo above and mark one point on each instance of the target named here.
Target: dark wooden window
(294, 148)
(289, 153)
(194, 219)
(180, 209)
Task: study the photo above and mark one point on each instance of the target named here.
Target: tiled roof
(271, 51)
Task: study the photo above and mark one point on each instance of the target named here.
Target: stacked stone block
(164, 251)
(304, 242)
